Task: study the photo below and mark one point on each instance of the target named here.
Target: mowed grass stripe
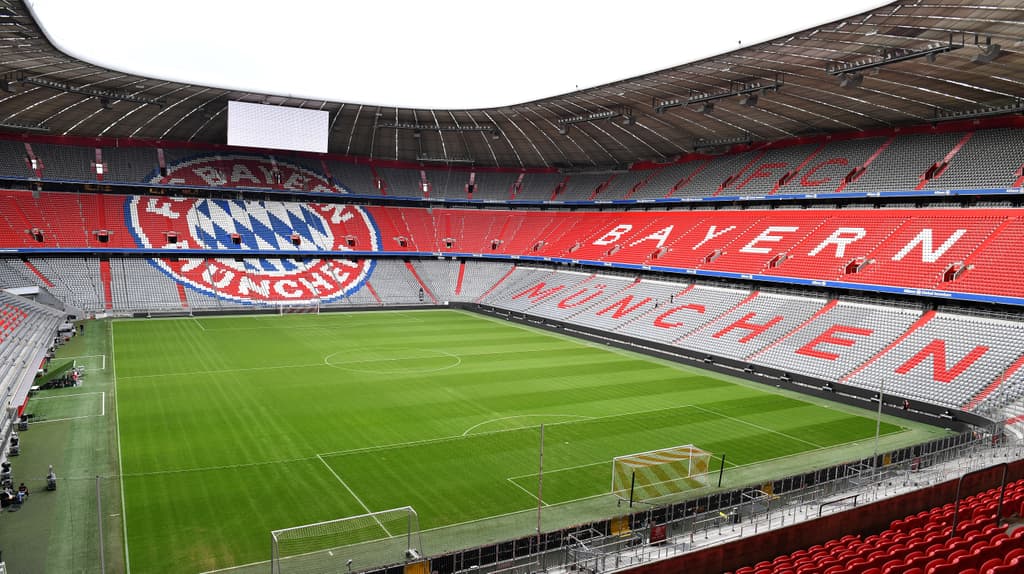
(217, 518)
(238, 409)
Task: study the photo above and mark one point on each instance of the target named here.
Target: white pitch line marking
(480, 424)
(521, 487)
(757, 426)
(355, 496)
(103, 407)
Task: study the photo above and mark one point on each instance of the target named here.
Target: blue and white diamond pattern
(264, 225)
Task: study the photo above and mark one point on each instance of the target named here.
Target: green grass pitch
(232, 427)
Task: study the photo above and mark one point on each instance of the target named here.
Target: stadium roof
(445, 54)
(899, 64)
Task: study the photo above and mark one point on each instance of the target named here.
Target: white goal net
(305, 307)
(351, 544)
(658, 473)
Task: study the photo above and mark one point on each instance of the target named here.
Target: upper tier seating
(827, 171)
(622, 184)
(402, 182)
(583, 186)
(982, 159)
(539, 186)
(665, 179)
(990, 160)
(708, 180)
(494, 185)
(448, 183)
(130, 164)
(67, 163)
(357, 178)
(764, 175)
(14, 161)
(901, 165)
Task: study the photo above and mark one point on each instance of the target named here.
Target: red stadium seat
(1003, 569)
(990, 564)
(1013, 554)
(958, 543)
(856, 564)
(895, 566)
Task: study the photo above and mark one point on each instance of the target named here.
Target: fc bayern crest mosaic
(241, 226)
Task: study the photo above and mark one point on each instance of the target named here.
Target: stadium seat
(1014, 553)
(941, 567)
(989, 564)
(1003, 569)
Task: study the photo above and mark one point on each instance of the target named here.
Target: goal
(658, 473)
(352, 544)
(304, 307)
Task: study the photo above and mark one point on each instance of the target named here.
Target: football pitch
(230, 427)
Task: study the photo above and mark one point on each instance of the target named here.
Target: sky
(441, 54)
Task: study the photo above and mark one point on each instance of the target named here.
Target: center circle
(393, 360)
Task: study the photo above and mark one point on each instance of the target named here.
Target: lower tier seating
(924, 543)
(943, 357)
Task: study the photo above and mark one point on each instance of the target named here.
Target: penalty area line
(760, 427)
(599, 463)
(449, 438)
(356, 496)
(68, 395)
(103, 407)
(532, 495)
(103, 365)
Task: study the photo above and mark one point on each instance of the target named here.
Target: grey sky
(447, 54)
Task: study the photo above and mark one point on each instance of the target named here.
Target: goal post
(657, 473)
(304, 307)
(90, 362)
(351, 544)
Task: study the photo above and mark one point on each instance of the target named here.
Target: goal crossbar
(656, 473)
(357, 543)
(304, 307)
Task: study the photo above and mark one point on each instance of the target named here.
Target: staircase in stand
(108, 298)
